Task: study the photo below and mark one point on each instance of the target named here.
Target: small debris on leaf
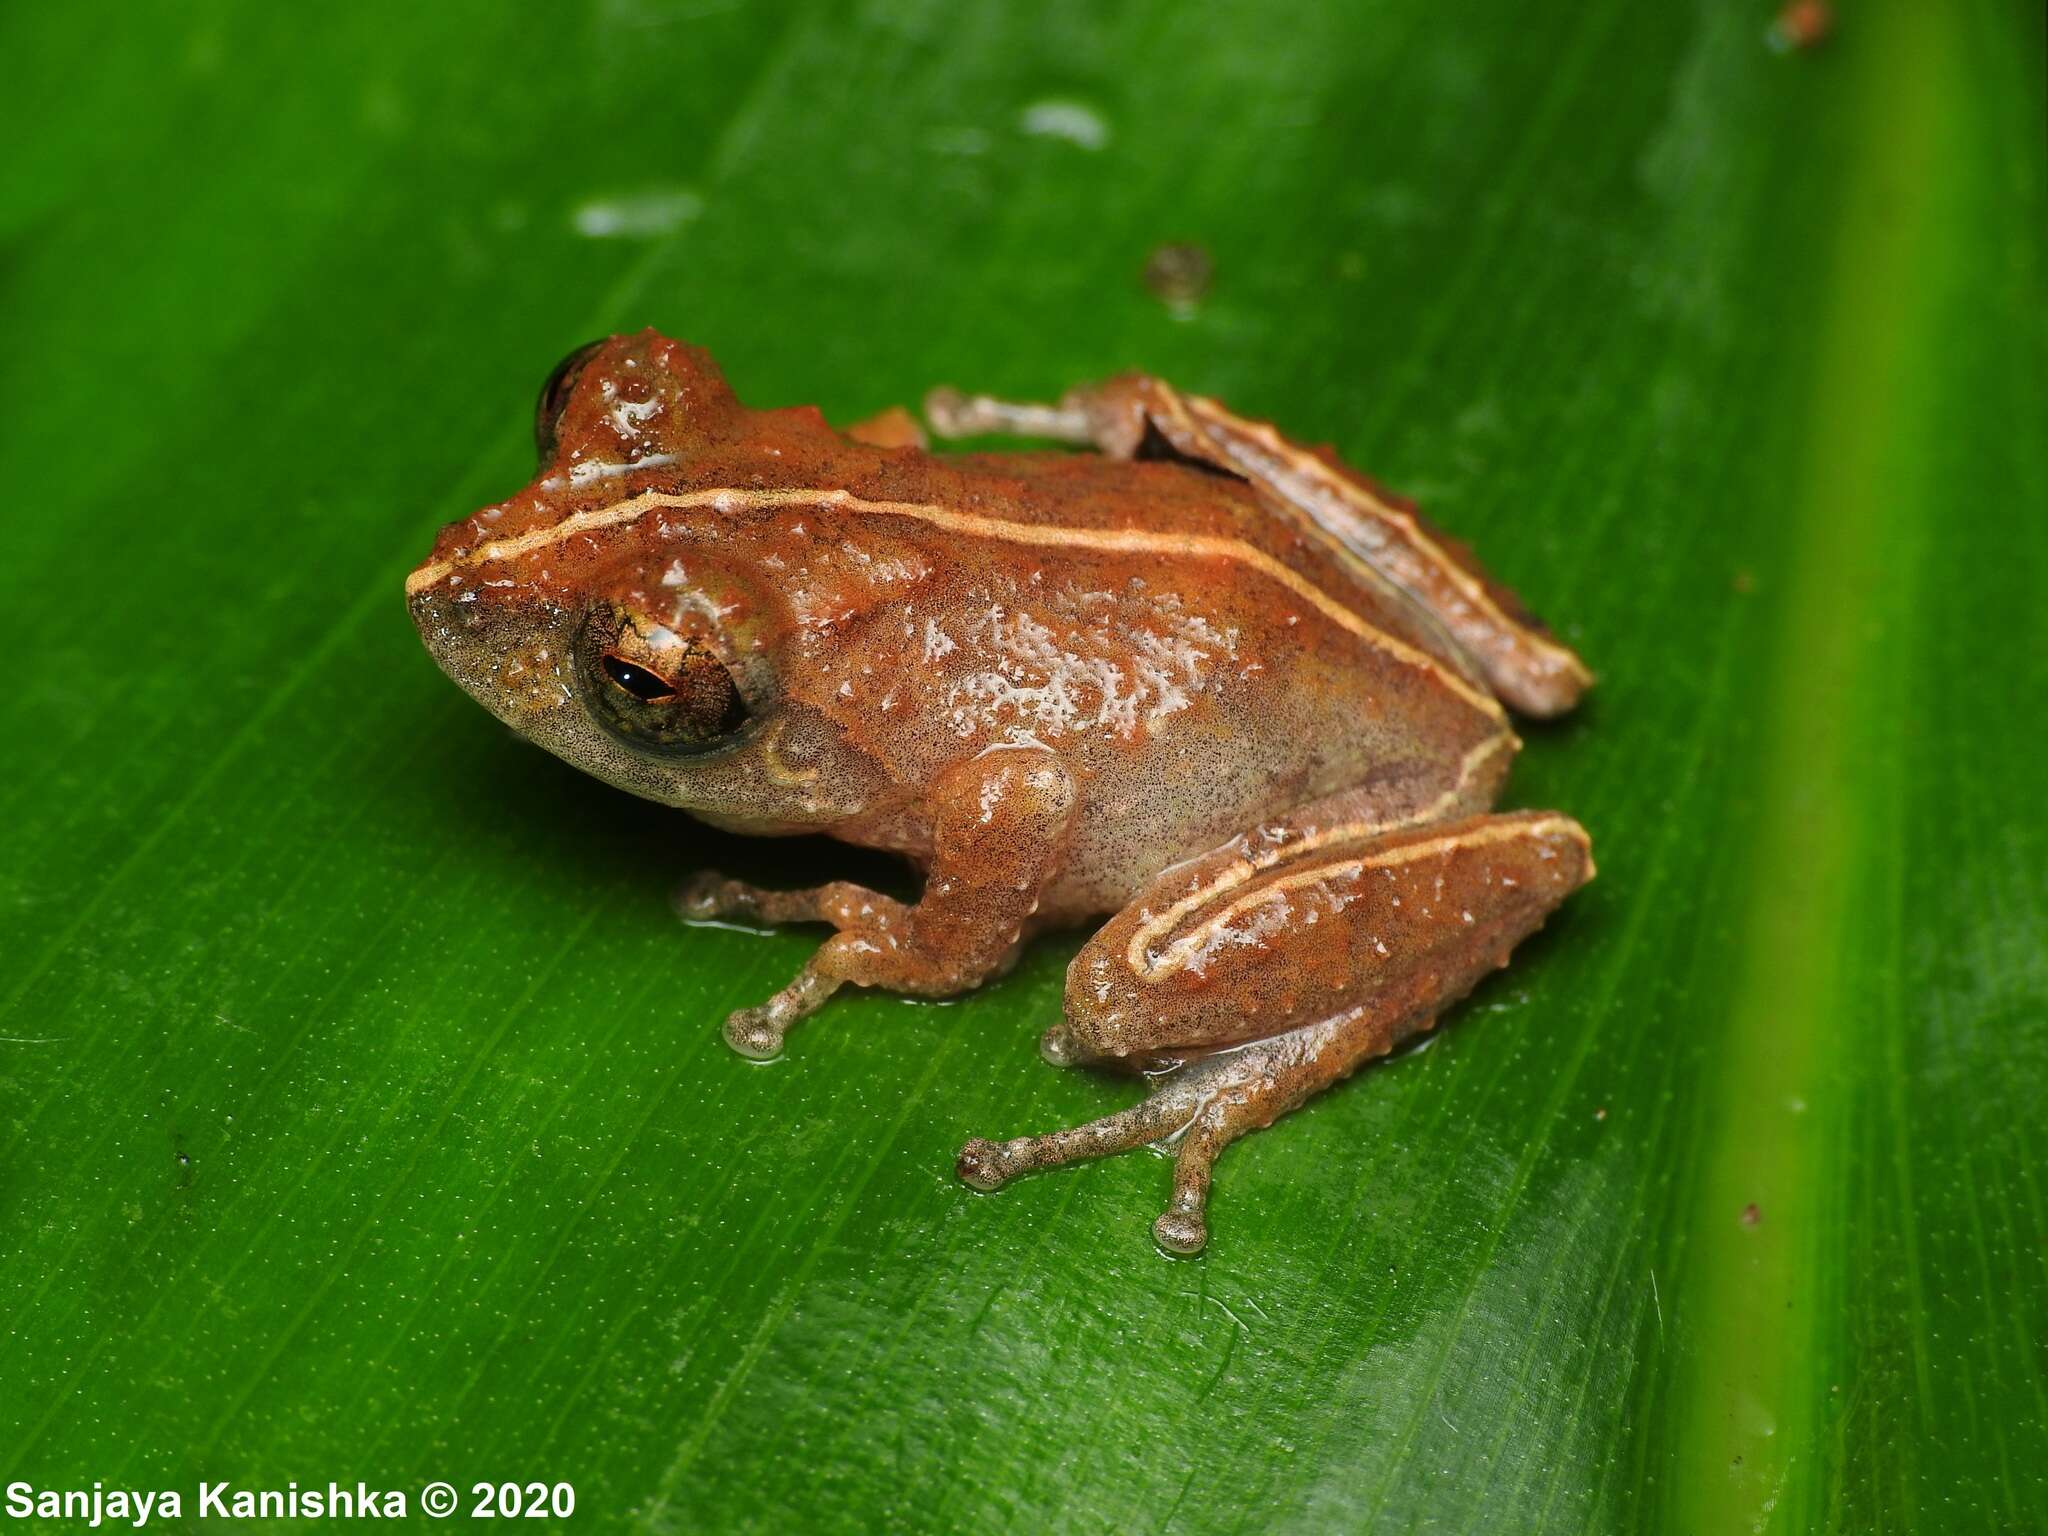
(1802, 25)
(1178, 273)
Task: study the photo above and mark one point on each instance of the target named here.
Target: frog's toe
(698, 899)
(1057, 1046)
(1181, 1231)
(757, 1032)
(991, 1164)
(754, 1034)
(985, 1165)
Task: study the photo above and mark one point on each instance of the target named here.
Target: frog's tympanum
(1202, 678)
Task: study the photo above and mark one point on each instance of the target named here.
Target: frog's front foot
(702, 898)
(997, 828)
(757, 1032)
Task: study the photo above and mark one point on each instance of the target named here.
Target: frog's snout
(444, 630)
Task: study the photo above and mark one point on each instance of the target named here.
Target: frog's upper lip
(460, 546)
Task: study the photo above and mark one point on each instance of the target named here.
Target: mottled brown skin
(1050, 681)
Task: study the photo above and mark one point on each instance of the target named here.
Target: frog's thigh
(1379, 536)
(1295, 921)
(1321, 960)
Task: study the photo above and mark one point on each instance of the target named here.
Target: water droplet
(1060, 118)
(638, 215)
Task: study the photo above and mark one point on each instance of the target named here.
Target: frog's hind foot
(953, 414)
(1196, 1110)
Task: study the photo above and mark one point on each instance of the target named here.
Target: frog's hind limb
(1382, 538)
(1206, 1105)
(1322, 957)
(953, 414)
(999, 828)
(891, 428)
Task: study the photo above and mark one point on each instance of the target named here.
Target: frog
(1153, 665)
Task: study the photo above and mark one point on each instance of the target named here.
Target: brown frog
(1203, 678)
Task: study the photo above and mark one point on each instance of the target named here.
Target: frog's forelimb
(998, 831)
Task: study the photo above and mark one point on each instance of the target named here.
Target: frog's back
(1194, 661)
(1091, 493)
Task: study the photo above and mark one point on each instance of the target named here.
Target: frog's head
(608, 616)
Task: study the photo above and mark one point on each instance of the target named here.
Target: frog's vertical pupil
(646, 686)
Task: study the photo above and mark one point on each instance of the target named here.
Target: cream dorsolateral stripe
(1176, 956)
(1303, 462)
(1138, 954)
(1120, 540)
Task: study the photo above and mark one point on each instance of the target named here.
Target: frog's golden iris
(653, 689)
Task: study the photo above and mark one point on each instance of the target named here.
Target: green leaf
(363, 1107)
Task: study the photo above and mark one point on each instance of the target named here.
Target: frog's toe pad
(985, 1164)
(1180, 1231)
(1057, 1046)
(697, 899)
(754, 1034)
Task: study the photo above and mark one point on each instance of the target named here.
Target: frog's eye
(554, 398)
(677, 698)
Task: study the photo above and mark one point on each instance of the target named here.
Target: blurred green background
(363, 1107)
